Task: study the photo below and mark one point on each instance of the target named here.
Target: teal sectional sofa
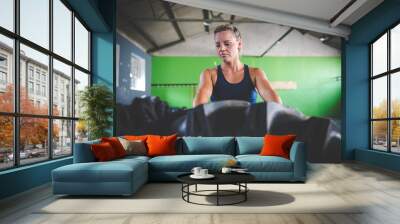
(125, 176)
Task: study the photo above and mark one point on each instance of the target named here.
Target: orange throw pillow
(161, 145)
(116, 145)
(103, 151)
(277, 145)
(136, 137)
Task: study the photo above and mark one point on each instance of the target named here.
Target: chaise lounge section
(88, 177)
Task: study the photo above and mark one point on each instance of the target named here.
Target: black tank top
(244, 90)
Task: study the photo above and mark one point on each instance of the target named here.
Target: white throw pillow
(135, 147)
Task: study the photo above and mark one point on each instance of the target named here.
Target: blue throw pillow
(249, 145)
(208, 145)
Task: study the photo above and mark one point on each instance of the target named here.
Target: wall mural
(137, 73)
(307, 100)
(150, 115)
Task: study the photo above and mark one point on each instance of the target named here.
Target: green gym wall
(318, 80)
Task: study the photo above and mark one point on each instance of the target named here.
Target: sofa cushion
(185, 163)
(116, 145)
(161, 145)
(83, 152)
(103, 152)
(135, 147)
(135, 137)
(111, 171)
(249, 145)
(208, 145)
(277, 145)
(257, 163)
(132, 158)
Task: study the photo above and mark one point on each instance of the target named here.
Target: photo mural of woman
(232, 80)
(234, 97)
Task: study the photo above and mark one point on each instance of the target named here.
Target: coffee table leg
(217, 194)
(185, 187)
(188, 189)
(245, 193)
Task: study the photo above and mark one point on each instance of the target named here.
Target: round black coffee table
(238, 179)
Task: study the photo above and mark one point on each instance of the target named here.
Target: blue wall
(356, 102)
(90, 12)
(103, 51)
(124, 94)
(356, 72)
(103, 46)
(99, 15)
(24, 178)
(376, 158)
(102, 59)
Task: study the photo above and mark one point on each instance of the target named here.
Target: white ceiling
(254, 44)
(314, 15)
(320, 9)
(262, 23)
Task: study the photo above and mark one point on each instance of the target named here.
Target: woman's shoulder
(210, 71)
(255, 71)
(210, 74)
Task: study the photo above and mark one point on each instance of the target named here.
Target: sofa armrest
(298, 155)
(83, 152)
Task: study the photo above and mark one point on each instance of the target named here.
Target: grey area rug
(166, 198)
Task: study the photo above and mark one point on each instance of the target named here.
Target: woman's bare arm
(204, 89)
(264, 88)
